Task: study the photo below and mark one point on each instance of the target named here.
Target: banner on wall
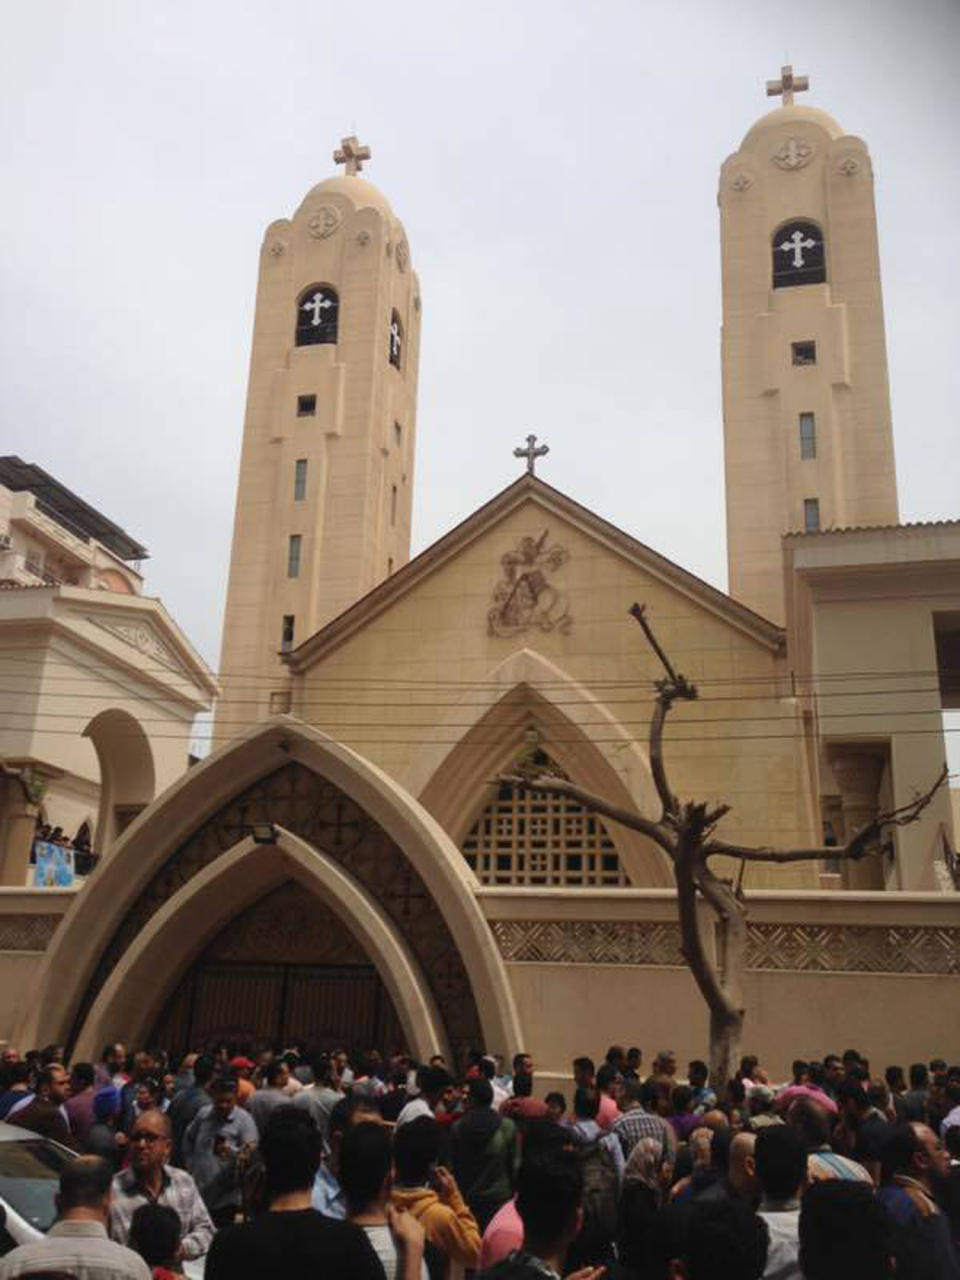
(54, 867)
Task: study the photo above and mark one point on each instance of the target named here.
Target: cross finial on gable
(532, 452)
(787, 85)
(351, 155)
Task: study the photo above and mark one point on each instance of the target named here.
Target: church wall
(403, 682)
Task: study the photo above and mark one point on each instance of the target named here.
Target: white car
(29, 1180)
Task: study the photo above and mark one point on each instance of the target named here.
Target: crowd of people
(289, 1164)
(85, 859)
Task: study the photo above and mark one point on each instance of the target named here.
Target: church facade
(350, 864)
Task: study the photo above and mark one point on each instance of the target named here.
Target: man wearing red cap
(241, 1068)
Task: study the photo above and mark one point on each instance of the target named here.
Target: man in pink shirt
(608, 1085)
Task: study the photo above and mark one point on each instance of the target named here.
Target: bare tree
(685, 832)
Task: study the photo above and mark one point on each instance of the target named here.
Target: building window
(811, 515)
(306, 406)
(396, 339)
(808, 436)
(293, 556)
(798, 254)
(804, 352)
(532, 838)
(318, 310)
(280, 702)
(389, 566)
(286, 633)
(393, 504)
(397, 434)
(300, 480)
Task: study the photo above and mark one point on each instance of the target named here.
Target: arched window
(318, 309)
(396, 339)
(799, 256)
(531, 838)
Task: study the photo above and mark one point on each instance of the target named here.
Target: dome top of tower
(362, 193)
(789, 115)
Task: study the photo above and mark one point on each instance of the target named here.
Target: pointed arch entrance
(337, 825)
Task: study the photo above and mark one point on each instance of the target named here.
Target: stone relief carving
(140, 637)
(741, 181)
(277, 249)
(25, 932)
(403, 256)
(363, 238)
(794, 154)
(324, 221)
(849, 166)
(524, 599)
(798, 948)
(416, 303)
(313, 808)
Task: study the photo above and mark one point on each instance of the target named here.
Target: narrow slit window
(804, 353)
(397, 434)
(389, 566)
(293, 555)
(808, 436)
(393, 504)
(300, 480)
(306, 406)
(811, 515)
(286, 633)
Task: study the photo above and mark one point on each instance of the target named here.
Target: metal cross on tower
(532, 452)
(351, 155)
(787, 85)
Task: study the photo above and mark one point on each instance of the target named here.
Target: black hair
(203, 1069)
(549, 1191)
(850, 1055)
(487, 1068)
(919, 1075)
(155, 1234)
(748, 1064)
(480, 1091)
(365, 1163)
(682, 1098)
(725, 1240)
(541, 1138)
(342, 1112)
(894, 1078)
(649, 1093)
(698, 1070)
(84, 1074)
(900, 1144)
(522, 1085)
(614, 1054)
(800, 1069)
(84, 1183)
(18, 1073)
(416, 1146)
(781, 1157)
(606, 1075)
(433, 1080)
(290, 1150)
(224, 1084)
(275, 1070)
(586, 1103)
(558, 1100)
(850, 1090)
(845, 1233)
(584, 1064)
(518, 1061)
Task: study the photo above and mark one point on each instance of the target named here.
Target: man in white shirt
(432, 1081)
(77, 1244)
(780, 1155)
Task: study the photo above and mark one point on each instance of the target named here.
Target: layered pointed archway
(572, 725)
(337, 824)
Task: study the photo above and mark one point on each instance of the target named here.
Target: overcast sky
(555, 167)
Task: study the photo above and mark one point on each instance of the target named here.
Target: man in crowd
(640, 1120)
(319, 1098)
(913, 1161)
(18, 1088)
(845, 1233)
(189, 1102)
(273, 1094)
(77, 1246)
(429, 1191)
(523, 1106)
(781, 1162)
(549, 1196)
(328, 1197)
(291, 1239)
(44, 1113)
(79, 1105)
(823, 1163)
(485, 1153)
(433, 1082)
(151, 1179)
(216, 1148)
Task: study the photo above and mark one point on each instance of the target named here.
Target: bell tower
(326, 468)
(808, 441)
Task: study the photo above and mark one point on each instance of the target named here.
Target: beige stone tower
(807, 435)
(326, 470)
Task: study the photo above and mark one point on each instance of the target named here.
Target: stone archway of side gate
(139, 986)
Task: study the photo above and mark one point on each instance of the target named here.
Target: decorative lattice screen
(531, 838)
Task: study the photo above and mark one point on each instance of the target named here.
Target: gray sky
(556, 169)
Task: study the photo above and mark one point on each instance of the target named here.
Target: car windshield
(30, 1178)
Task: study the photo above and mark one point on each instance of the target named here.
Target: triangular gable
(555, 503)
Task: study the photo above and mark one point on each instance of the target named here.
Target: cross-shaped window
(318, 311)
(799, 256)
(395, 347)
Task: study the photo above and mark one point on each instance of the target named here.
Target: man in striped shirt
(823, 1163)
